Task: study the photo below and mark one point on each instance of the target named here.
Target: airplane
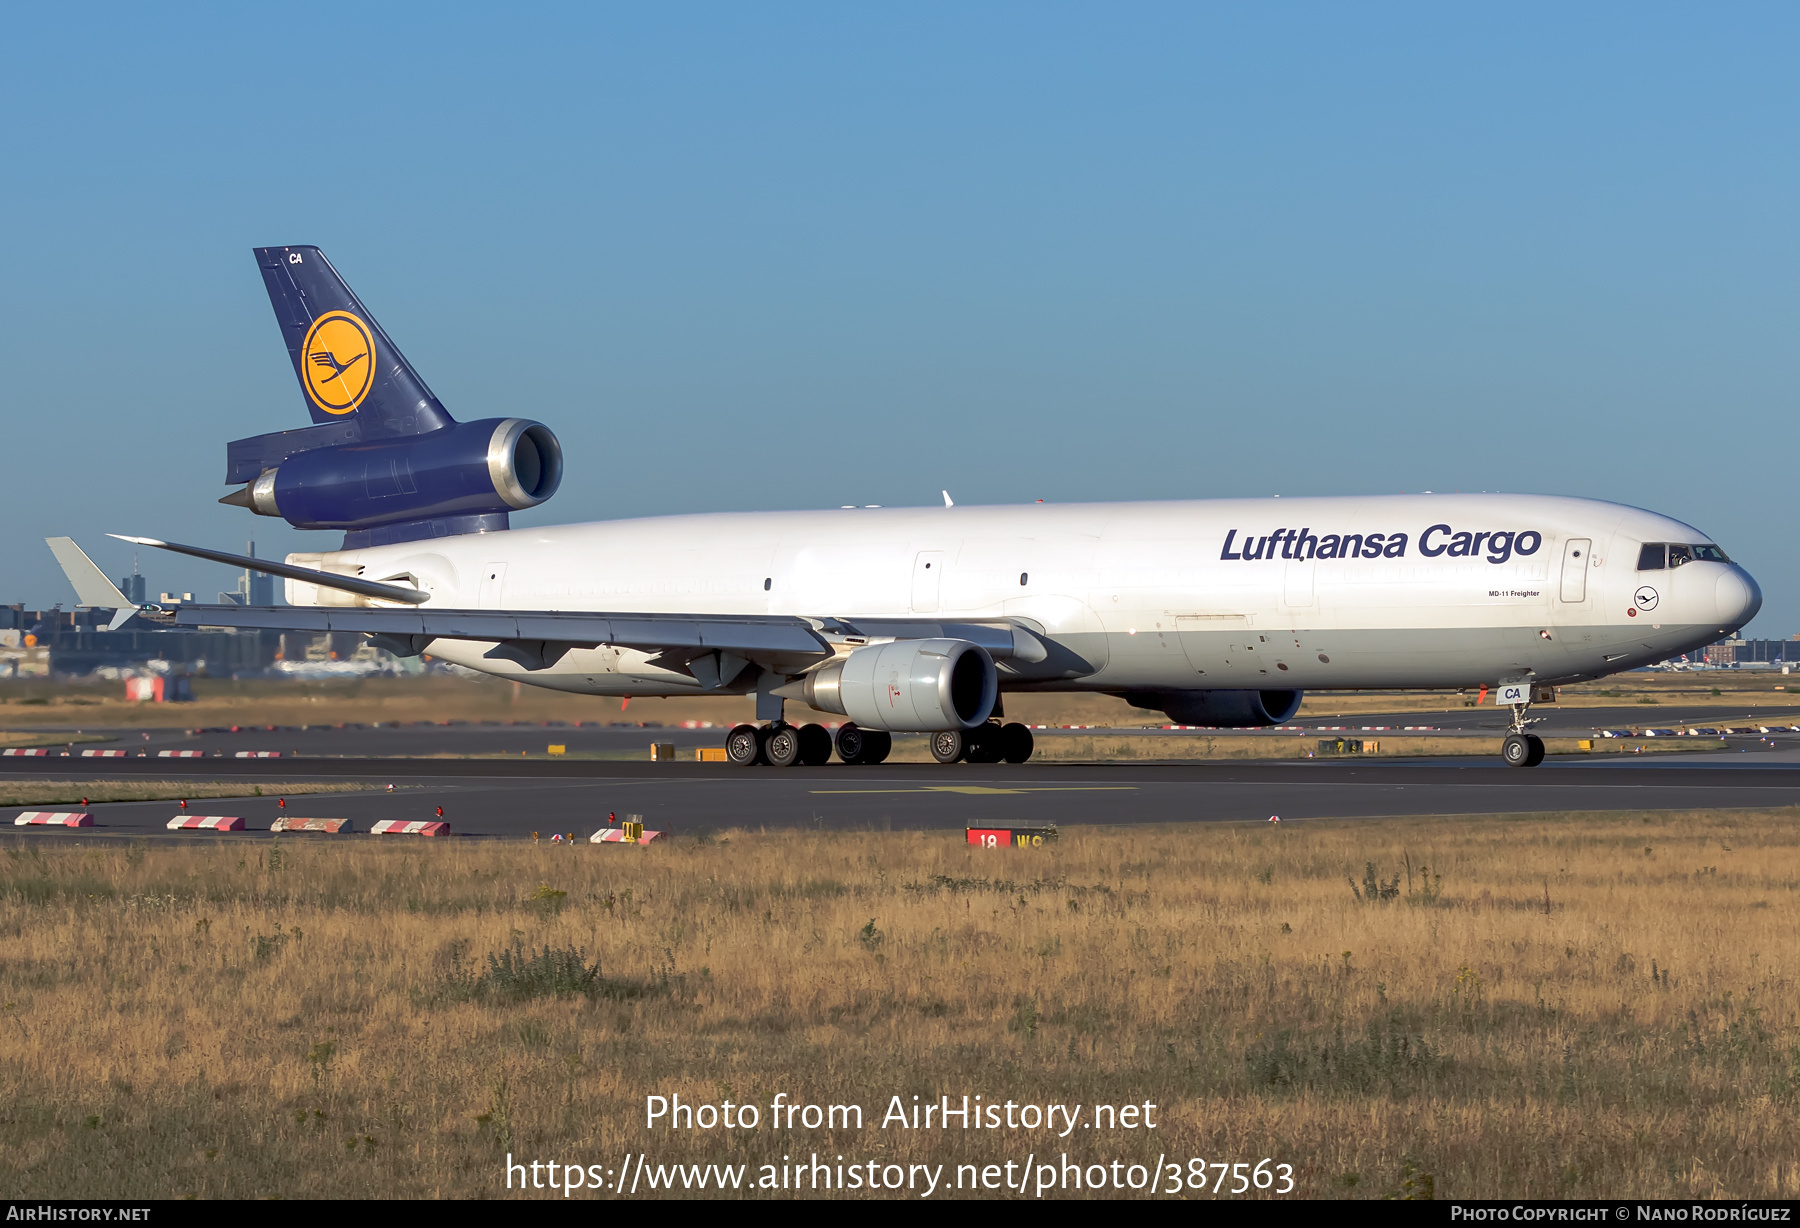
(1214, 612)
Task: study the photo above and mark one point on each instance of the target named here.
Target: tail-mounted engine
(464, 477)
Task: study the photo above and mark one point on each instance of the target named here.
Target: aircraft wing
(748, 635)
(712, 647)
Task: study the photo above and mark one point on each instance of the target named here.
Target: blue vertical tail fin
(349, 371)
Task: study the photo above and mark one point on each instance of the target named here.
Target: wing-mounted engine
(398, 489)
(907, 686)
(1221, 709)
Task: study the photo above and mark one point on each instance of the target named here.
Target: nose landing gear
(1521, 749)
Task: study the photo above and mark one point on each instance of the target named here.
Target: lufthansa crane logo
(1645, 598)
(338, 362)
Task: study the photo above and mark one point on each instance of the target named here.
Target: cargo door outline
(493, 585)
(1575, 568)
(927, 581)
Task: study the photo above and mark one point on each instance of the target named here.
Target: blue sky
(745, 257)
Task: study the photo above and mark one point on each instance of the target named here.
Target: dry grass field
(1576, 1005)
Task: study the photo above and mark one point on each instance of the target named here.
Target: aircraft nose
(1737, 598)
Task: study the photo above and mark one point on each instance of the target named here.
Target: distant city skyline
(810, 256)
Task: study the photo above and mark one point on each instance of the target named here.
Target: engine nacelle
(1222, 709)
(495, 465)
(908, 686)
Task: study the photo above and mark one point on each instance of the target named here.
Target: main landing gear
(1521, 749)
(780, 744)
(989, 743)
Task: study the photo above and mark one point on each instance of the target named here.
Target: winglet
(92, 588)
(948, 501)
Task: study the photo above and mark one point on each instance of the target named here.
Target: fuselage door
(493, 581)
(1575, 568)
(928, 575)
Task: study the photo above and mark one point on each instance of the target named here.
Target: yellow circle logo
(339, 362)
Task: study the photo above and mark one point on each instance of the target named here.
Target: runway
(512, 799)
(631, 741)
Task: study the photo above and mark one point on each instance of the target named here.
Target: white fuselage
(1351, 592)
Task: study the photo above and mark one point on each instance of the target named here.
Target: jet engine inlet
(525, 461)
(908, 686)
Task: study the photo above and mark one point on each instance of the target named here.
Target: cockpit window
(1655, 556)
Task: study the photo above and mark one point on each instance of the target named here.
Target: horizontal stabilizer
(92, 588)
(246, 459)
(325, 579)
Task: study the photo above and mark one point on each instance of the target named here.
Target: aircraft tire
(815, 745)
(1016, 743)
(949, 745)
(877, 743)
(983, 744)
(781, 746)
(1537, 750)
(851, 742)
(1516, 751)
(743, 746)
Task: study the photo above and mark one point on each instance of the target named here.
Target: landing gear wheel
(1537, 750)
(743, 745)
(948, 746)
(982, 744)
(781, 746)
(850, 743)
(876, 745)
(1516, 751)
(1016, 743)
(815, 745)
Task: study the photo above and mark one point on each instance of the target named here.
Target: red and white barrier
(415, 827)
(180, 754)
(206, 822)
(41, 750)
(54, 818)
(259, 754)
(332, 827)
(102, 754)
(616, 835)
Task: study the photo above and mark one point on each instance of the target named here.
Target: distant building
(1754, 652)
(253, 587)
(77, 642)
(134, 585)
